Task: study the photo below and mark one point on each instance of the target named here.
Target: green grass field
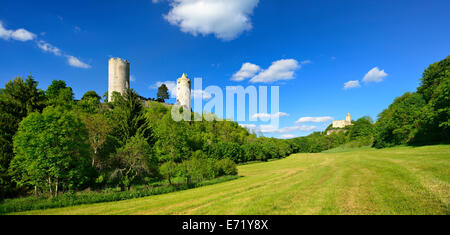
(401, 180)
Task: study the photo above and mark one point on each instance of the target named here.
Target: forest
(52, 144)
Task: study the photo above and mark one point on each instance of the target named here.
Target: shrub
(226, 167)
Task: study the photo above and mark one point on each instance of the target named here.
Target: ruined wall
(339, 124)
(118, 76)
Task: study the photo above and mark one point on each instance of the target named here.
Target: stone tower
(184, 92)
(118, 76)
(348, 118)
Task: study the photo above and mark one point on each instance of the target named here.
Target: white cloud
(171, 86)
(75, 62)
(306, 62)
(272, 129)
(248, 126)
(287, 136)
(24, 35)
(375, 75)
(226, 19)
(247, 70)
(279, 70)
(314, 119)
(71, 60)
(267, 116)
(47, 47)
(132, 78)
(201, 93)
(351, 84)
(19, 34)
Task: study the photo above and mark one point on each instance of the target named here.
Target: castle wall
(339, 124)
(118, 76)
(184, 92)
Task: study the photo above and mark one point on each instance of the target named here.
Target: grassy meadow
(400, 180)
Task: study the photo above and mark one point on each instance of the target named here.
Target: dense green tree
(91, 95)
(127, 118)
(399, 123)
(98, 129)
(51, 151)
(162, 93)
(363, 127)
(17, 100)
(435, 89)
(168, 170)
(171, 139)
(58, 94)
(133, 162)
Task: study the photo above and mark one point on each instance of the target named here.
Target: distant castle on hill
(339, 124)
(343, 123)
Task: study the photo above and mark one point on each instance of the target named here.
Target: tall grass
(71, 199)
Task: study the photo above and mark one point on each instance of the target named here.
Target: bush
(198, 169)
(226, 167)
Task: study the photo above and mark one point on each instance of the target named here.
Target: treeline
(53, 144)
(421, 117)
(415, 118)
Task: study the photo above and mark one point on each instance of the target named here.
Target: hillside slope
(401, 180)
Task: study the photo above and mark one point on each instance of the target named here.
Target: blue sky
(378, 48)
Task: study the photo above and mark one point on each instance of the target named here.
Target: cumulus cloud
(314, 119)
(226, 19)
(267, 116)
(25, 35)
(248, 126)
(287, 136)
(351, 84)
(47, 47)
(201, 93)
(272, 129)
(75, 62)
(71, 60)
(375, 75)
(247, 70)
(279, 70)
(19, 34)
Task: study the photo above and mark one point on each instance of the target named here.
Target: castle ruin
(119, 81)
(184, 92)
(118, 76)
(343, 123)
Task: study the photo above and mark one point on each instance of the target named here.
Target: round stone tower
(118, 76)
(184, 92)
